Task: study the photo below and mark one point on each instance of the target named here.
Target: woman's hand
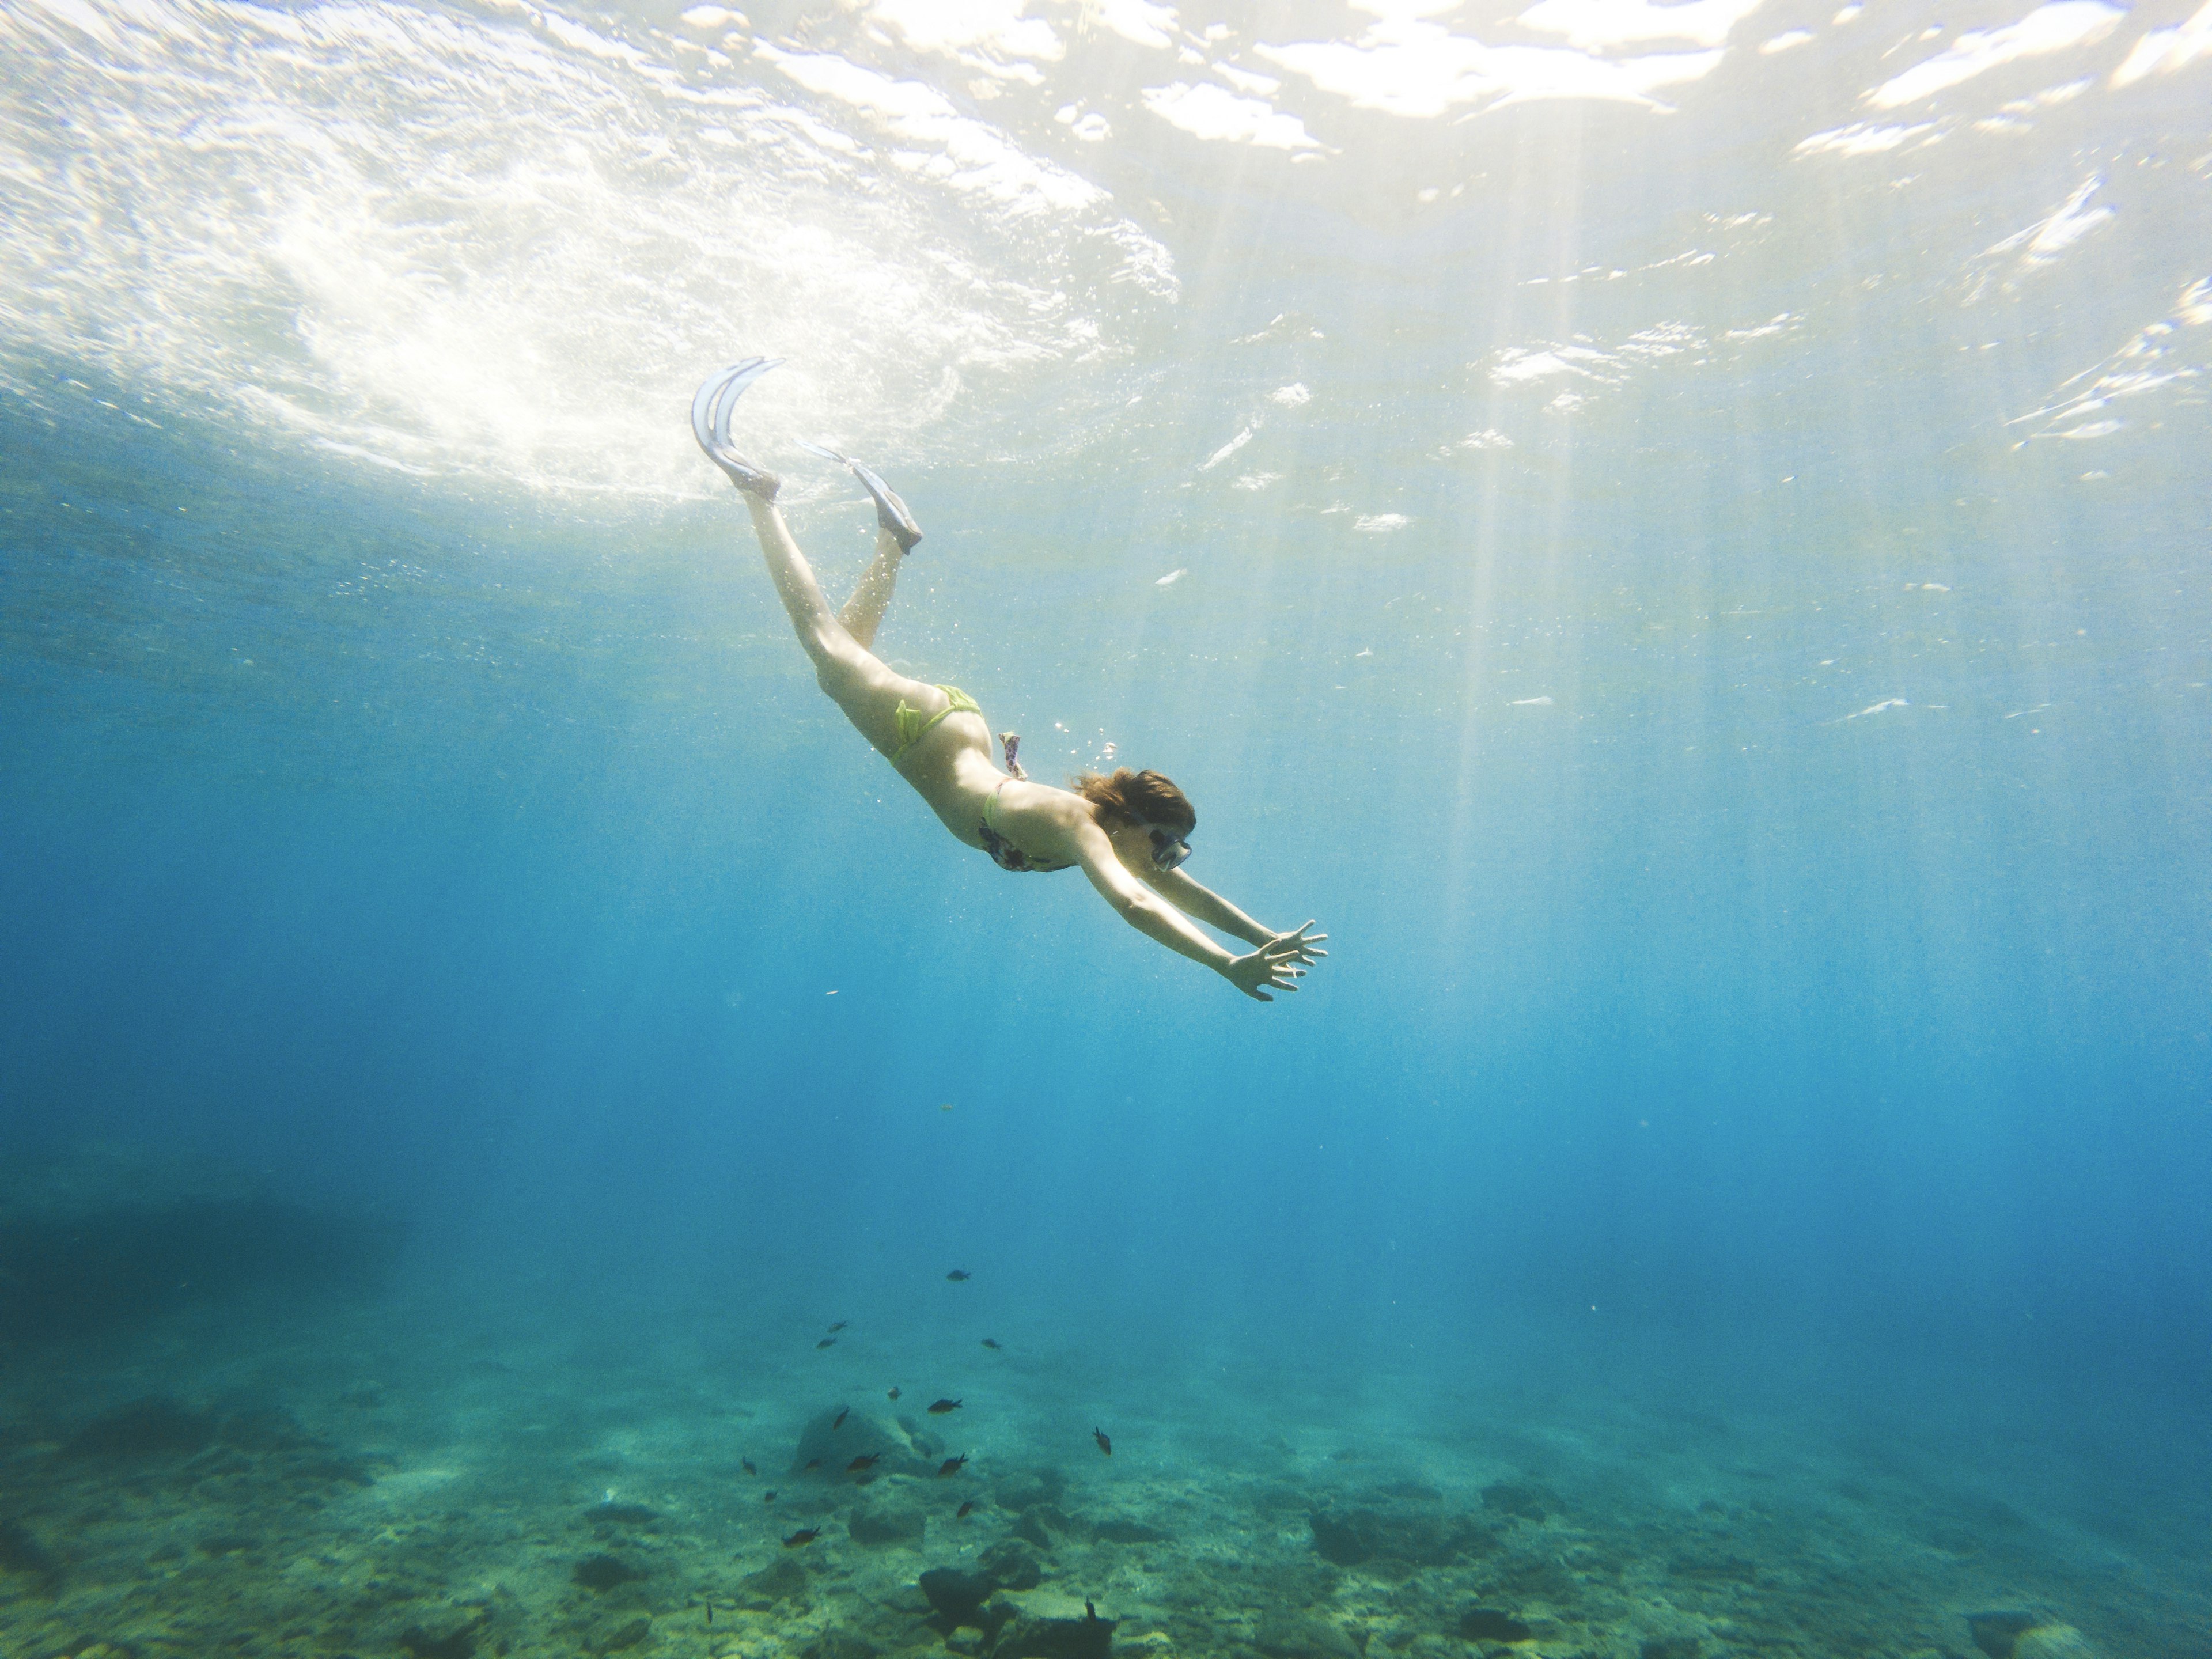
(1302, 943)
(1273, 967)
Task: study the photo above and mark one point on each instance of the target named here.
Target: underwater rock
(1520, 1500)
(1417, 1491)
(1031, 1530)
(878, 1524)
(627, 1635)
(2053, 1642)
(1348, 1538)
(156, 1426)
(270, 1439)
(1029, 1638)
(835, 1643)
(781, 1580)
(1128, 1532)
(268, 1428)
(1997, 1633)
(1713, 1567)
(1338, 1541)
(457, 1644)
(834, 1437)
(1045, 1525)
(602, 1572)
(330, 1471)
(287, 1449)
(604, 1515)
(1294, 1636)
(1669, 1647)
(1535, 1579)
(1010, 1562)
(957, 1595)
(2010, 1635)
(1489, 1624)
(1019, 1492)
(95, 1236)
(20, 1552)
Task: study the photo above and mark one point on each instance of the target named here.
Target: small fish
(767, 1498)
(827, 1342)
(802, 1538)
(952, 1465)
(746, 1464)
(812, 1464)
(892, 1394)
(1104, 1444)
(991, 1343)
(836, 1328)
(959, 1274)
(838, 1421)
(938, 1408)
(865, 1460)
(964, 1510)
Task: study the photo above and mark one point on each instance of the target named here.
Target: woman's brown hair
(1139, 798)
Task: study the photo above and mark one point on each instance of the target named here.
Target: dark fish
(802, 1538)
(827, 1342)
(964, 1510)
(746, 1464)
(952, 1465)
(1104, 1444)
(893, 1394)
(767, 1498)
(812, 1464)
(991, 1342)
(938, 1408)
(836, 1328)
(865, 1460)
(959, 1274)
(838, 1421)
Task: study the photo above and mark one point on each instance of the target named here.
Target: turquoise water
(1678, 533)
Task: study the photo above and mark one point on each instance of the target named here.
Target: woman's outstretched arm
(1203, 904)
(1272, 967)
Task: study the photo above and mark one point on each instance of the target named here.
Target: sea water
(1677, 533)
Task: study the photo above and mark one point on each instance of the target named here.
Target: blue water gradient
(504, 866)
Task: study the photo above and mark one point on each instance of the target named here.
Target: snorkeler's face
(1144, 846)
(1167, 848)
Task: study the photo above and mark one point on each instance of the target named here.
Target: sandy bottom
(394, 1480)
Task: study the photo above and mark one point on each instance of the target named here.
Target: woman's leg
(872, 594)
(860, 684)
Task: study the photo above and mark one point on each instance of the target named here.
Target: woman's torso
(1022, 825)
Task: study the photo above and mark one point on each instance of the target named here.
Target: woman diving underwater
(1129, 833)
